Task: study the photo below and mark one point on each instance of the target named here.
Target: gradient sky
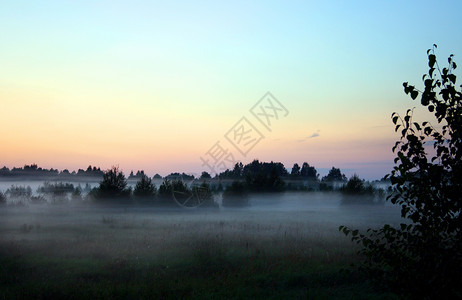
(154, 85)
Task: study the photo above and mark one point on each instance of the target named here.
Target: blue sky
(152, 85)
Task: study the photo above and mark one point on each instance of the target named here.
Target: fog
(88, 248)
(298, 220)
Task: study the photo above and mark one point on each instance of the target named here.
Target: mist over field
(275, 231)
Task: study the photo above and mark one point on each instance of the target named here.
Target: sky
(164, 86)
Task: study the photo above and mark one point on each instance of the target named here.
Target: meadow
(281, 246)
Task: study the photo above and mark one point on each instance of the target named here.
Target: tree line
(186, 190)
(239, 171)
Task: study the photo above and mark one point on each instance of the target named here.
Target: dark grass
(204, 274)
(93, 253)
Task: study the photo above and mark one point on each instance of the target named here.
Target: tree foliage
(144, 188)
(422, 257)
(295, 172)
(113, 185)
(334, 175)
(309, 172)
(205, 175)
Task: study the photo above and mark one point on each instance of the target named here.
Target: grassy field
(95, 252)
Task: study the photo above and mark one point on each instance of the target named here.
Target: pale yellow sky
(147, 85)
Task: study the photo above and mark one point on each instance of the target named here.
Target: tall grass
(101, 252)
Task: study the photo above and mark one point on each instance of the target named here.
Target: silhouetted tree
(113, 185)
(357, 191)
(178, 176)
(264, 177)
(165, 193)
(295, 171)
(65, 173)
(308, 172)
(5, 171)
(144, 188)
(205, 175)
(422, 257)
(238, 169)
(355, 185)
(334, 175)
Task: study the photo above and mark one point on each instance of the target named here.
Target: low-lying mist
(285, 240)
(100, 229)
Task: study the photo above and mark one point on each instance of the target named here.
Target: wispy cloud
(316, 134)
(313, 135)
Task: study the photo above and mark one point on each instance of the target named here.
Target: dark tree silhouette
(422, 257)
(205, 175)
(144, 188)
(165, 190)
(113, 185)
(238, 170)
(295, 172)
(357, 191)
(308, 172)
(355, 185)
(334, 175)
(173, 192)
